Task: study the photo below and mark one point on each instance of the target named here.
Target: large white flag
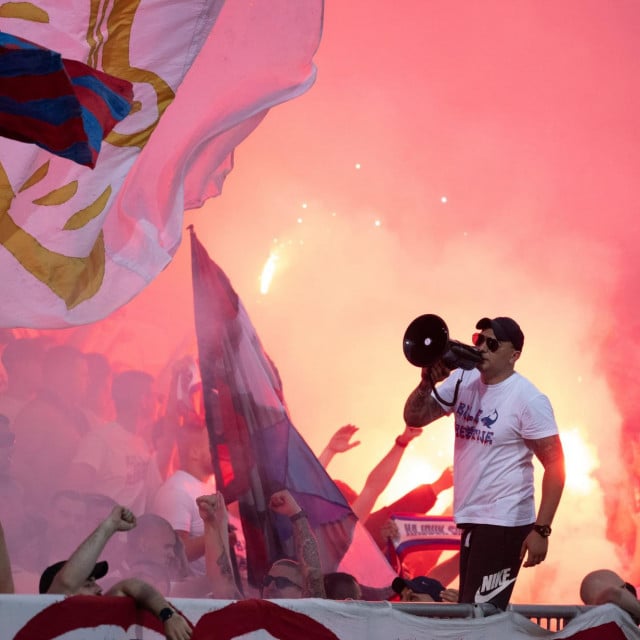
(77, 243)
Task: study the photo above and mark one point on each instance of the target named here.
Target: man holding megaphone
(501, 421)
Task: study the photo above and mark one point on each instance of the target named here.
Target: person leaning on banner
(78, 575)
(423, 589)
(501, 421)
(302, 577)
(603, 585)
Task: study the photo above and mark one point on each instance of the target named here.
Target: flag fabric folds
(63, 106)
(255, 447)
(77, 243)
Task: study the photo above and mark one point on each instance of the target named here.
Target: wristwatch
(165, 614)
(542, 529)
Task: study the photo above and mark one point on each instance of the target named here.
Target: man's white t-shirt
(175, 501)
(126, 468)
(493, 466)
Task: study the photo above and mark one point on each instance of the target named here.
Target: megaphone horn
(425, 340)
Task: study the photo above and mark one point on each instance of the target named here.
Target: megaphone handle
(442, 400)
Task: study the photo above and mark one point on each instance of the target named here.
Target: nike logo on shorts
(488, 595)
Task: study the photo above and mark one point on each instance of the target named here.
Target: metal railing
(547, 616)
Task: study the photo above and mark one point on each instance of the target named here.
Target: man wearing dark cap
(420, 589)
(78, 575)
(89, 588)
(501, 421)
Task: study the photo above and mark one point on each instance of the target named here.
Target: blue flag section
(256, 450)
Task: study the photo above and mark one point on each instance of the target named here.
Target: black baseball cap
(421, 584)
(99, 571)
(505, 329)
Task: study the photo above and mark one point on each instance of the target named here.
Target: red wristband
(401, 444)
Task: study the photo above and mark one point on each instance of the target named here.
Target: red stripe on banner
(86, 612)
(607, 631)
(253, 615)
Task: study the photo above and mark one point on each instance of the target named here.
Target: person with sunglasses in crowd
(300, 577)
(501, 421)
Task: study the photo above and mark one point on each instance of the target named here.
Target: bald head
(596, 583)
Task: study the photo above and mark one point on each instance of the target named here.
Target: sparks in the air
(268, 272)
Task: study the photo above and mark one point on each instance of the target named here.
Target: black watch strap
(165, 614)
(542, 529)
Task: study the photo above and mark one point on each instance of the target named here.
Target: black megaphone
(426, 341)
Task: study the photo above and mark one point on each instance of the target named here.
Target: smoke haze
(463, 159)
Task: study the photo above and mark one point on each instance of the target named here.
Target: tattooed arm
(549, 452)
(216, 546)
(305, 543)
(421, 408)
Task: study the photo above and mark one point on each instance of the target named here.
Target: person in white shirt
(175, 501)
(501, 422)
(118, 459)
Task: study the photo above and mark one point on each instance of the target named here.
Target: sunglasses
(492, 344)
(281, 582)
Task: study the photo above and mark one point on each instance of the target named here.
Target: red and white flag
(77, 243)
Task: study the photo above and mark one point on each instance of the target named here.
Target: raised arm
(381, 474)
(339, 443)
(79, 566)
(213, 512)
(421, 408)
(306, 545)
(549, 452)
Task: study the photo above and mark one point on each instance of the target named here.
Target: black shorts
(490, 562)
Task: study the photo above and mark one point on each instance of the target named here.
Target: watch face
(165, 614)
(543, 529)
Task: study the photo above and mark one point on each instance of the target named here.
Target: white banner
(108, 618)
